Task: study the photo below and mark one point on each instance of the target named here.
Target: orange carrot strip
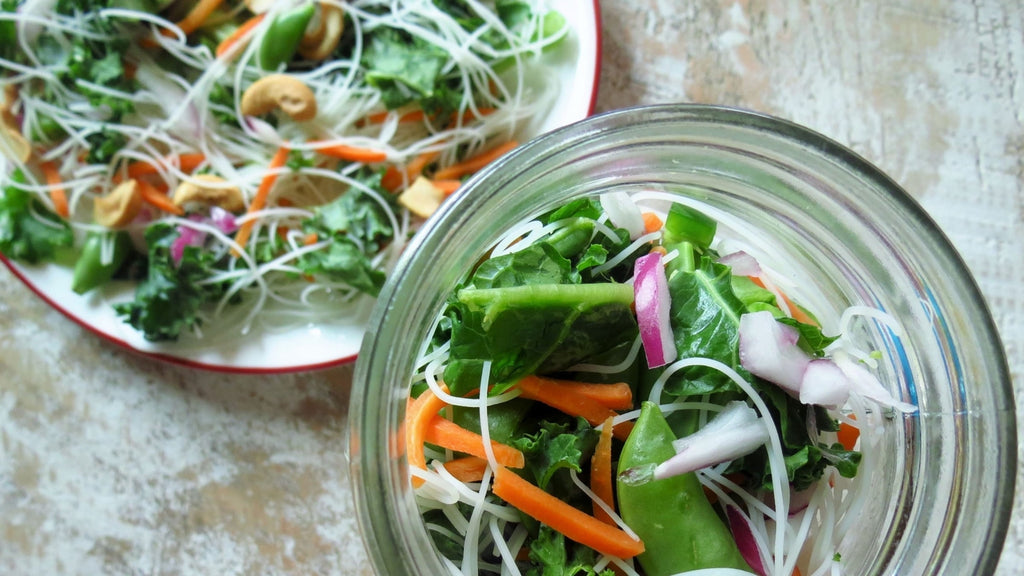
(154, 197)
(418, 417)
(660, 250)
(467, 469)
(601, 473)
(796, 571)
(352, 153)
(392, 178)
(795, 311)
(57, 195)
(848, 435)
(196, 16)
(186, 162)
(574, 524)
(260, 199)
(310, 239)
(447, 434)
(380, 117)
(475, 163)
(229, 42)
(566, 399)
(652, 223)
(447, 186)
(617, 396)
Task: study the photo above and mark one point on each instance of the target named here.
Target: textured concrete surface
(113, 464)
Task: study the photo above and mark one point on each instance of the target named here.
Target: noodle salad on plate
(205, 174)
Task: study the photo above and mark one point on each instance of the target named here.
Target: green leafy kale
(169, 299)
(8, 32)
(557, 447)
(552, 555)
(357, 227)
(28, 230)
(403, 67)
(535, 328)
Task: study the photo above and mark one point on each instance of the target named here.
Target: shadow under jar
(943, 478)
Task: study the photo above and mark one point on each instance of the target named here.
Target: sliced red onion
(824, 384)
(799, 501)
(623, 213)
(768, 349)
(866, 384)
(650, 292)
(223, 220)
(734, 432)
(741, 263)
(743, 534)
(186, 237)
(264, 130)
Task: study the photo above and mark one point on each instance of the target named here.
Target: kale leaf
(28, 230)
(169, 299)
(357, 227)
(402, 66)
(552, 555)
(557, 447)
(536, 328)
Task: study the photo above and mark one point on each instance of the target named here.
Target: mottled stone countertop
(115, 464)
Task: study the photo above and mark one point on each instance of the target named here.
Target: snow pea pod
(283, 36)
(90, 271)
(677, 524)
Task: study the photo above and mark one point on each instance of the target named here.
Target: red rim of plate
(266, 371)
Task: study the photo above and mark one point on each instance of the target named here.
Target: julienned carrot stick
(617, 396)
(467, 469)
(394, 177)
(260, 199)
(848, 435)
(571, 522)
(447, 434)
(197, 15)
(57, 195)
(352, 153)
(564, 398)
(652, 223)
(601, 473)
(475, 163)
(447, 186)
(418, 417)
(186, 162)
(795, 311)
(158, 199)
(238, 34)
(380, 117)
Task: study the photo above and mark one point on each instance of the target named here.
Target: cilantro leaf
(28, 230)
(553, 555)
(343, 260)
(169, 299)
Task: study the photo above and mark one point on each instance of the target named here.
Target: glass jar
(944, 482)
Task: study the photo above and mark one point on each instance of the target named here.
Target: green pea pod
(284, 35)
(677, 524)
(90, 271)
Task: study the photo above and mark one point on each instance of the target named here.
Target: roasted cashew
(280, 91)
(14, 145)
(119, 207)
(259, 6)
(318, 43)
(422, 198)
(228, 198)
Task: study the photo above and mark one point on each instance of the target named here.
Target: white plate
(577, 66)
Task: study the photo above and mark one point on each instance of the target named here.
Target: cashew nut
(280, 91)
(322, 37)
(119, 207)
(14, 145)
(422, 198)
(227, 197)
(259, 6)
